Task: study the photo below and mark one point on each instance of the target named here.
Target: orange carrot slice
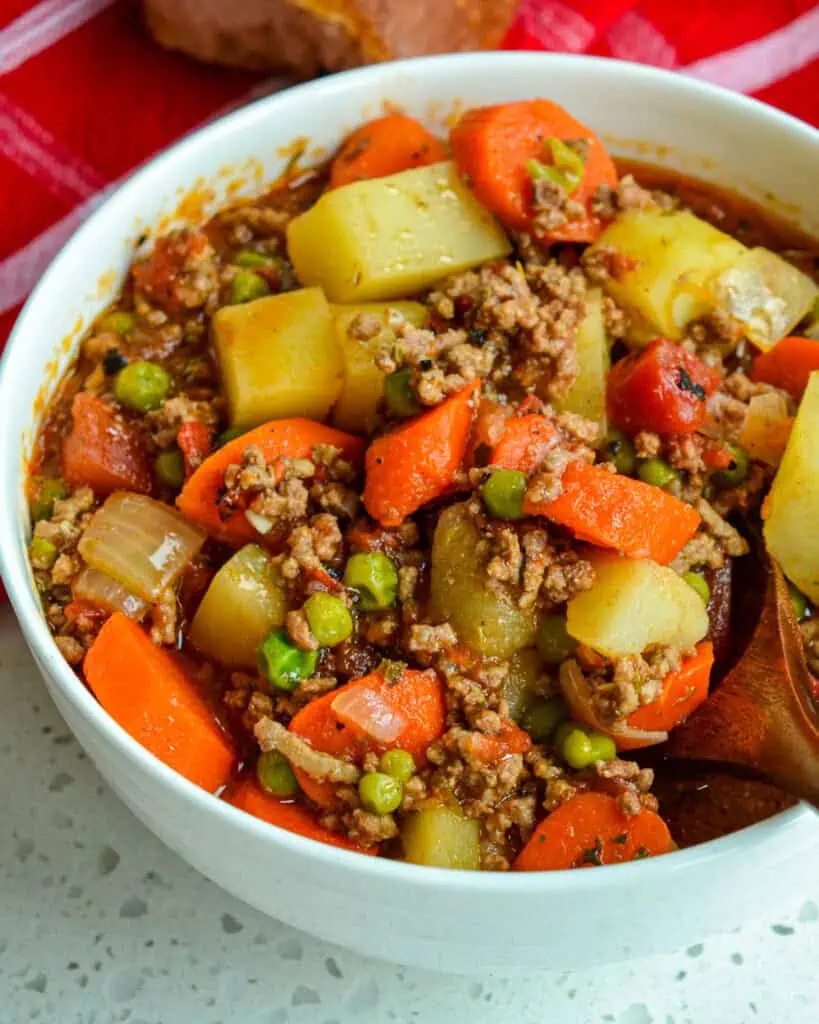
(614, 511)
(417, 462)
(385, 146)
(683, 692)
(525, 443)
(591, 829)
(492, 147)
(148, 692)
(248, 796)
(292, 439)
(415, 700)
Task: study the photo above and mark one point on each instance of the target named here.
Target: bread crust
(311, 36)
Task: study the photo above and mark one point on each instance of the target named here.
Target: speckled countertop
(100, 923)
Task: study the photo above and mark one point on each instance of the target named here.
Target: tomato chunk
(663, 389)
(103, 451)
(164, 277)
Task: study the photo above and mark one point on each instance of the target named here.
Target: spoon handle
(762, 715)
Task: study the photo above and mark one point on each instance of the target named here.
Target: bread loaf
(311, 36)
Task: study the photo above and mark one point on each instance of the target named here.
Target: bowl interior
(655, 116)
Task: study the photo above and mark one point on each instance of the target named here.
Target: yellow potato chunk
(519, 686)
(392, 237)
(357, 405)
(765, 295)
(490, 623)
(670, 259)
(793, 502)
(587, 396)
(442, 837)
(279, 357)
(245, 600)
(633, 604)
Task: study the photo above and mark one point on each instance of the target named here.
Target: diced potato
(765, 295)
(793, 502)
(442, 837)
(634, 604)
(279, 357)
(525, 670)
(673, 257)
(245, 600)
(587, 396)
(363, 385)
(489, 623)
(392, 237)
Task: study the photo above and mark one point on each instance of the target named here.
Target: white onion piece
(141, 543)
(578, 696)
(100, 590)
(720, 418)
(261, 524)
(765, 295)
(366, 709)
(767, 428)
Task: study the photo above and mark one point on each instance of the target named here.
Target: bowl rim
(769, 836)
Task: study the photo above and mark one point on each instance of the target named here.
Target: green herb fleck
(685, 383)
(593, 855)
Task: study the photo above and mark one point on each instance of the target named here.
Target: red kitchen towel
(85, 96)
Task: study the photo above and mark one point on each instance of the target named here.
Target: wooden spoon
(763, 715)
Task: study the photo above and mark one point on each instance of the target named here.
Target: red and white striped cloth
(85, 96)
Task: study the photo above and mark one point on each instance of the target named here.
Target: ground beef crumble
(620, 685)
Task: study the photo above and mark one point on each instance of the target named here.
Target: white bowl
(459, 921)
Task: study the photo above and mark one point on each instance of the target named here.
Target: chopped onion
(578, 696)
(140, 543)
(767, 428)
(100, 590)
(261, 524)
(765, 295)
(365, 709)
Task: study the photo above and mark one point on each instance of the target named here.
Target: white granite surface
(100, 923)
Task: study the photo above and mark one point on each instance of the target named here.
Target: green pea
(170, 468)
(142, 386)
(657, 473)
(283, 664)
(375, 579)
(399, 397)
(229, 435)
(698, 582)
(275, 774)
(398, 764)
(542, 719)
(734, 474)
(247, 286)
(42, 552)
(621, 451)
(799, 603)
(580, 749)
(329, 619)
(48, 490)
(503, 493)
(120, 322)
(250, 260)
(553, 642)
(380, 793)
